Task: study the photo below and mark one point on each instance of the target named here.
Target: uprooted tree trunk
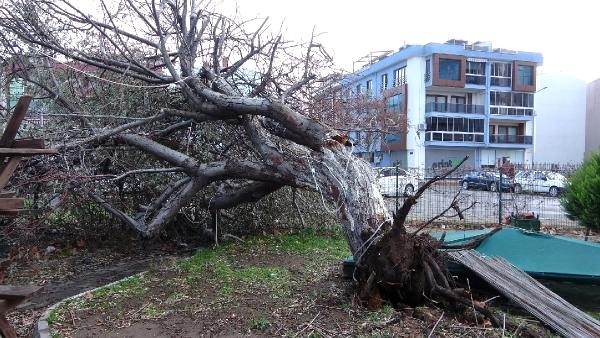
(277, 144)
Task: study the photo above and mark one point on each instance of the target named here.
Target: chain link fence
(483, 196)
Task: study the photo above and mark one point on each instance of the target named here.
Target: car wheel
(518, 189)
(493, 187)
(465, 185)
(553, 191)
(409, 190)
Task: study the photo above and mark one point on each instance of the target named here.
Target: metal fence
(484, 196)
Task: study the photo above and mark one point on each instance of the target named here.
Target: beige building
(592, 118)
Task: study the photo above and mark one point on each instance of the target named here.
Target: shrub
(581, 198)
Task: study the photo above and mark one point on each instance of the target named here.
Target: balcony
(432, 107)
(511, 139)
(511, 111)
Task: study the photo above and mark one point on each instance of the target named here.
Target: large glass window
(511, 103)
(525, 75)
(475, 72)
(395, 138)
(454, 129)
(369, 87)
(399, 76)
(449, 69)
(501, 74)
(384, 82)
(395, 103)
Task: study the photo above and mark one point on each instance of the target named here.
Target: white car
(540, 181)
(406, 182)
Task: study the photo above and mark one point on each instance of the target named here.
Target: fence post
(397, 172)
(500, 199)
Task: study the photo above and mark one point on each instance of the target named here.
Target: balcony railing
(511, 139)
(511, 111)
(453, 108)
(453, 136)
(476, 79)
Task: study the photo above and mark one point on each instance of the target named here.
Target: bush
(581, 198)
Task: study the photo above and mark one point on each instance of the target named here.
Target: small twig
(489, 300)
(307, 325)
(436, 324)
(72, 318)
(225, 236)
(472, 302)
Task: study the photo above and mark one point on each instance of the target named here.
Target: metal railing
(511, 139)
(512, 111)
(431, 107)
(452, 136)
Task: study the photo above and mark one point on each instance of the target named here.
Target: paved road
(486, 207)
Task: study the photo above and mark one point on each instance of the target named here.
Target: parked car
(407, 183)
(547, 182)
(485, 180)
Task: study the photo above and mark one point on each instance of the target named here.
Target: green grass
(133, 286)
(311, 242)
(260, 323)
(384, 314)
(221, 265)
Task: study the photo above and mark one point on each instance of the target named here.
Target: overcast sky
(565, 32)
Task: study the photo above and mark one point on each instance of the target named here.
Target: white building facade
(460, 99)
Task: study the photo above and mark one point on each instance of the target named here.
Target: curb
(41, 328)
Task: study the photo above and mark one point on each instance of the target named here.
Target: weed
(259, 323)
(151, 311)
(380, 315)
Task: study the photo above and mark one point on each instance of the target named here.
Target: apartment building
(458, 98)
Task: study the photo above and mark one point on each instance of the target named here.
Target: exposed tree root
(409, 268)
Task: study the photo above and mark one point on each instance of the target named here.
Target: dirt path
(55, 291)
(63, 277)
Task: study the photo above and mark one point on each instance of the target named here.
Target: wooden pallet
(11, 153)
(534, 297)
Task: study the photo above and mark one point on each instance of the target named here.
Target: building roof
(481, 50)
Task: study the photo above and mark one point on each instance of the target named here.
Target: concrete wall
(415, 140)
(559, 126)
(440, 157)
(592, 119)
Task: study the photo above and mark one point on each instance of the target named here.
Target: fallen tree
(247, 88)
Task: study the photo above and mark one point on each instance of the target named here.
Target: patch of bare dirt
(314, 300)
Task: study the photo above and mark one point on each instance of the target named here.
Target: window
(525, 75)
(511, 103)
(399, 76)
(449, 69)
(395, 103)
(501, 74)
(427, 70)
(358, 89)
(393, 138)
(369, 87)
(435, 103)
(384, 82)
(475, 72)
(454, 129)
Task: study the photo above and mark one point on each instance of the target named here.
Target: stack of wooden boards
(11, 153)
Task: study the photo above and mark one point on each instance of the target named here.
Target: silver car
(547, 182)
(406, 182)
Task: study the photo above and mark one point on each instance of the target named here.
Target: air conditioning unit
(422, 126)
